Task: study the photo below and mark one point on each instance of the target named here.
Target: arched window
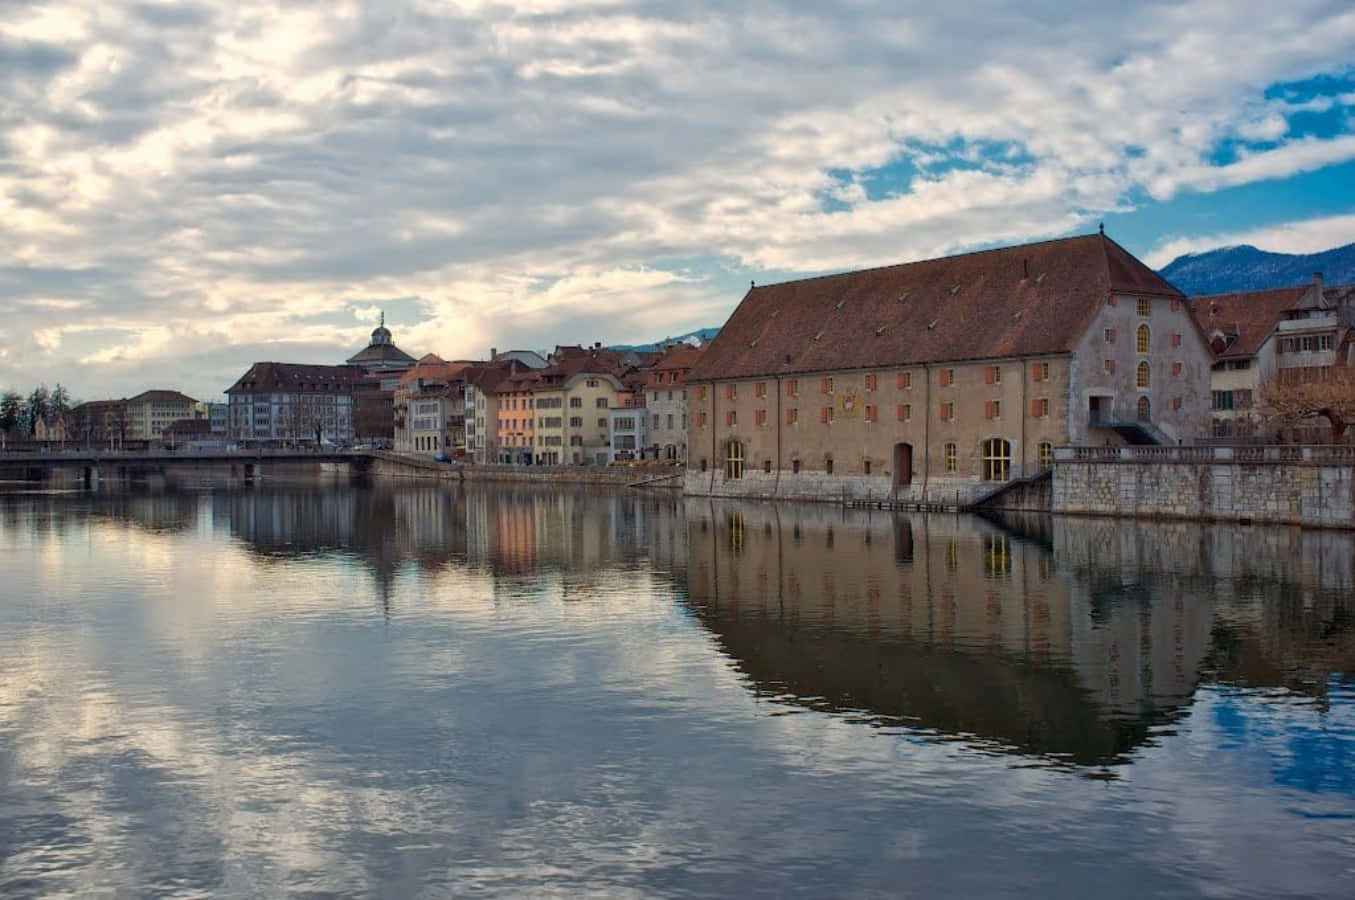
(1145, 409)
(1143, 338)
(1142, 377)
(997, 459)
(734, 460)
(1046, 454)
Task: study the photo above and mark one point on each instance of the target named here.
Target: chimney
(493, 353)
(597, 345)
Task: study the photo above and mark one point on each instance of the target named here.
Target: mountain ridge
(1243, 267)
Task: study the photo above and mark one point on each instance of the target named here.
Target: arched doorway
(1145, 409)
(903, 465)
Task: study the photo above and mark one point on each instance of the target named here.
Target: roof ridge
(930, 259)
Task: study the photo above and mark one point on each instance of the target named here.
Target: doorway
(903, 465)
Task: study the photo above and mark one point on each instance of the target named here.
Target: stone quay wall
(820, 487)
(1291, 485)
(390, 465)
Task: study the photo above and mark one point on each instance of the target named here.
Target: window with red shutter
(1176, 338)
(870, 382)
(871, 414)
(792, 416)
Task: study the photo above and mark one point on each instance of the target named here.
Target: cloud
(1307, 236)
(211, 171)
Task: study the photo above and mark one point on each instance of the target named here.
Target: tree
(11, 411)
(60, 401)
(1327, 393)
(37, 408)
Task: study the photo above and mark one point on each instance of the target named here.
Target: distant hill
(1245, 268)
(701, 335)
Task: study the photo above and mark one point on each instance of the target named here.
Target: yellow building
(151, 412)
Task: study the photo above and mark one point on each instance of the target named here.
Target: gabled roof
(1246, 318)
(681, 358)
(1013, 301)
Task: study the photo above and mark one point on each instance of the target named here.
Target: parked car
(442, 457)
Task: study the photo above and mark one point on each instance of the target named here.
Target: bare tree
(1286, 402)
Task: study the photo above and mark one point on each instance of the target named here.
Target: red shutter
(987, 374)
(1035, 409)
(1176, 338)
(1037, 372)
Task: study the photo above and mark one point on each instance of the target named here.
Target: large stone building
(151, 412)
(430, 408)
(935, 381)
(287, 403)
(1273, 337)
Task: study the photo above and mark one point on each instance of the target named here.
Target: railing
(1197, 453)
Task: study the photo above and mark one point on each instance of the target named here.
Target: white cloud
(222, 170)
(1307, 236)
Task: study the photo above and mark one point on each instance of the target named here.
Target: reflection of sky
(178, 715)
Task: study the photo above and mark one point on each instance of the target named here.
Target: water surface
(421, 691)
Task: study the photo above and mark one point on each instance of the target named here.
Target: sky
(187, 188)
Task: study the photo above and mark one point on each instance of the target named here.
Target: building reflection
(1073, 640)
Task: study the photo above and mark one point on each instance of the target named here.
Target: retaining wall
(1312, 486)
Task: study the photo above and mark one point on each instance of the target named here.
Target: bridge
(88, 468)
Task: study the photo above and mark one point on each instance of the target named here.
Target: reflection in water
(415, 690)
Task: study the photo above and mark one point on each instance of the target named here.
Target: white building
(284, 403)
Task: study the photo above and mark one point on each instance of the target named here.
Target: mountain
(701, 335)
(1245, 268)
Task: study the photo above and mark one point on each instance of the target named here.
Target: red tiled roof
(681, 358)
(1013, 301)
(266, 376)
(1246, 318)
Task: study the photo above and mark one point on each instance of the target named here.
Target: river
(408, 691)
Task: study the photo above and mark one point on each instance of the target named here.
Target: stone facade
(1312, 486)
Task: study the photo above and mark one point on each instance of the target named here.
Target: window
(792, 416)
(592, 382)
(731, 417)
(997, 459)
(700, 419)
(1039, 407)
(760, 417)
(759, 389)
(654, 422)
(947, 411)
(576, 421)
(1144, 409)
(946, 377)
(767, 470)
(826, 385)
(795, 467)
(952, 458)
(1110, 367)
(992, 409)
(602, 423)
(1222, 400)
(1039, 372)
(701, 392)
(793, 387)
(903, 412)
(1142, 375)
(1110, 335)
(865, 467)
(1145, 306)
(992, 375)
(872, 413)
(871, 381)
(1176, 339)
(602, 403)
(1113, 301)
(1142, 339)
(576, 403)
(1046, 454)
(826, 414)
(903, 381)
(828, 465)
(731, 392)
(734, 460)
(1242, 399)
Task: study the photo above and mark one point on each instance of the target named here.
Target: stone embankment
(393, 465)
(1291, 485)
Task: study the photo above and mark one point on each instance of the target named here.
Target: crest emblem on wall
(847, 402)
